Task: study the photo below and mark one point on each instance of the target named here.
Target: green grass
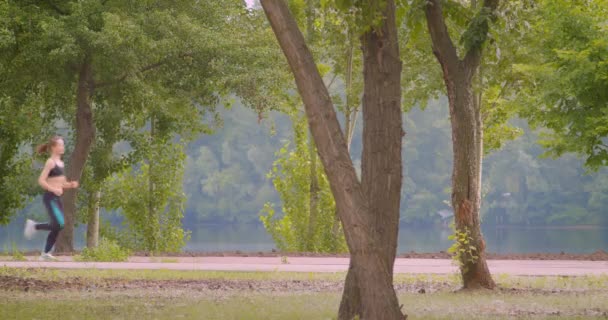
(537, 298)
(165, 274)
(187, 305)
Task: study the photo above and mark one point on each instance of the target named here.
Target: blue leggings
(55, 210)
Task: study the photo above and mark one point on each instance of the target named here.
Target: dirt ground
(16, 282)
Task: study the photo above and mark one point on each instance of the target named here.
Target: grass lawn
(164, 294)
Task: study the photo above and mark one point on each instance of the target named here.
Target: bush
(107, 251)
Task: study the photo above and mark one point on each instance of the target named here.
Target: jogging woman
(53, 181)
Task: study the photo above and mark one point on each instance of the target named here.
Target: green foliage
(367, 15)
(462, 251)
(15, 184)
(20, 124)
(495, 84)
(107, 251)
(151, 200)
(476, 32)
(176, 57)
(567, 82)
(291, 177)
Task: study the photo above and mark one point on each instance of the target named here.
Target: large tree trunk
(85, 135)
(467, 140)
(93, 223)
(381, 167)
(366, 221)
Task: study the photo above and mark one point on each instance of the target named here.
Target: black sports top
(56, 171)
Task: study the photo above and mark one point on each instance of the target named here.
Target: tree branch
(443, 47)
(142, 70)
(331, 82)
(481, 26)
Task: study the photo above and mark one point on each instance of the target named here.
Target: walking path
(319, 264)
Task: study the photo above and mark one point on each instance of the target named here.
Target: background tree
(467, 131)
(151, 200)
(290, 175)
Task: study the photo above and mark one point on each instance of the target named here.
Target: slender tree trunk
(85, 136)
(366, 221)
(153, 224)
(466, 185)
(467, 140)
(314, 195)
(314, 181)
(350, 116)
(93, 224)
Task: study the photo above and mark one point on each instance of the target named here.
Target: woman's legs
(55, 210)
(50, 240)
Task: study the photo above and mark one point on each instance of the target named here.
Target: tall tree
(467, 131)
(368, 209)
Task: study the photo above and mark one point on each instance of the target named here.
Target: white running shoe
(30, 229)
(47, 257)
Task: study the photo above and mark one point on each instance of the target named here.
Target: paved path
(309, 264)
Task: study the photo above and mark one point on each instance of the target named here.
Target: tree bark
(467, 140)
(382, 134)
(85, 136)
(366, 221)
(93, 223)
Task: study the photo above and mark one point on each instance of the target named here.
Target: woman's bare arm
(70, 185)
